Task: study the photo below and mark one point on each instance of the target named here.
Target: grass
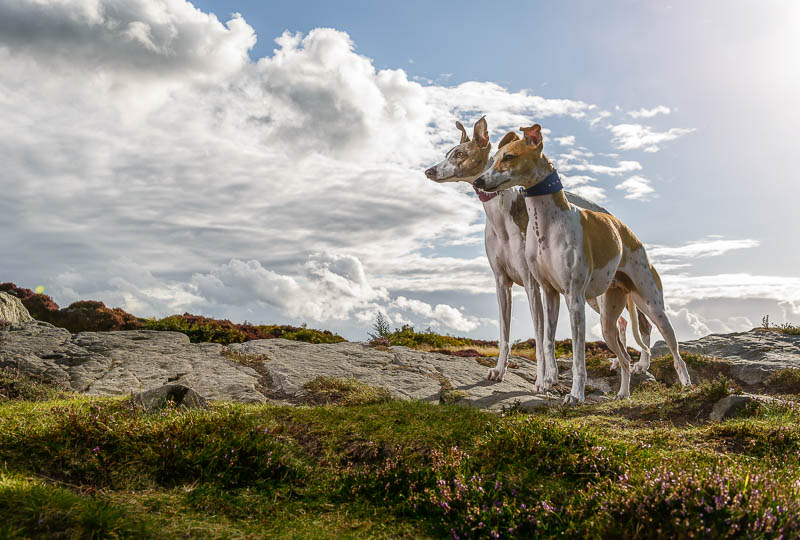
(784, 381)
(650, 466)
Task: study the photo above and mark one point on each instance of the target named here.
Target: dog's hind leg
(503, 287)
(649, 298)
(612, 304)
(645, 329)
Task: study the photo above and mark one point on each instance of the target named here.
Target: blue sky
(165, 160)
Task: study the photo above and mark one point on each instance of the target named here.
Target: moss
(335, 391)
(448, 395)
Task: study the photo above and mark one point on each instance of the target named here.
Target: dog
(581, 254)
(506, 227)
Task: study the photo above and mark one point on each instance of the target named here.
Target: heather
(204, 329)
(359, 464)
(94, 316)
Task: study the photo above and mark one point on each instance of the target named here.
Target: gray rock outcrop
(277, 370)
(751, 356)
(12, 311)
(125, 362)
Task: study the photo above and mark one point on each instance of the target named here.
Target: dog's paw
(570, 400)
(623, 395)
(639, 368)
(614, 364)
(496, 374)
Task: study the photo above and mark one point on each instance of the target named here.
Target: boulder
(176, 394)
(751, 356)
(729, 406)
(12, 310)
(125, 362)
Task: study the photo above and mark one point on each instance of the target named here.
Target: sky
(263, 161)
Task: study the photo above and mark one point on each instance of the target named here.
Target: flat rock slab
(124, 362)
(405, 373)
(276, 370)
(752, 355)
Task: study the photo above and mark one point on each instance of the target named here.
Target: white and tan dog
(506, 226)
(581, 254)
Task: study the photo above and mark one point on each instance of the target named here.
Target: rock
(405, 373)
(124, 362)
(12, 311)
(178, 394)
(751, 356)
(729, 406)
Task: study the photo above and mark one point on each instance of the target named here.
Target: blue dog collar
(551, 184)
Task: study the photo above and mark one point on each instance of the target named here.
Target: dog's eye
(508, 157)
(458, 154)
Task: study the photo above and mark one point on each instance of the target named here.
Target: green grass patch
(15, 385)
(784, 381)
(650, 466)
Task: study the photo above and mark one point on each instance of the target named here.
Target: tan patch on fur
(475, 161)
(601, 241)
(519, 213)
(561, 200)
(656, 278)
(529, 162)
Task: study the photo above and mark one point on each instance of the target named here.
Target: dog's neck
(547, 198)
(542, 169)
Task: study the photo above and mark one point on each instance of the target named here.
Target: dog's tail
(633, 310)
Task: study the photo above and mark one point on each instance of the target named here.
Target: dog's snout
(431, 173)
(479, 182)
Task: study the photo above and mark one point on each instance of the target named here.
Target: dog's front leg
(537, 316)
(577, 317)
(503, 288)
(552, 301)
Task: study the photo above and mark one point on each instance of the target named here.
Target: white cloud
(709, 247)
(637, 188)
(581, 185)
(649, 113)
(149, 163)
(440, 314)
(633, 136)
(569, 140)
(684, 288)
(621, 167)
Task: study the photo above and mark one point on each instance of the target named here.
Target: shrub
(204, 329)
(784, 381)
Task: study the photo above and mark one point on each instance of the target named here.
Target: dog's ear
(480, 132)
(533, 135)
(464, 137)
(510, 137)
